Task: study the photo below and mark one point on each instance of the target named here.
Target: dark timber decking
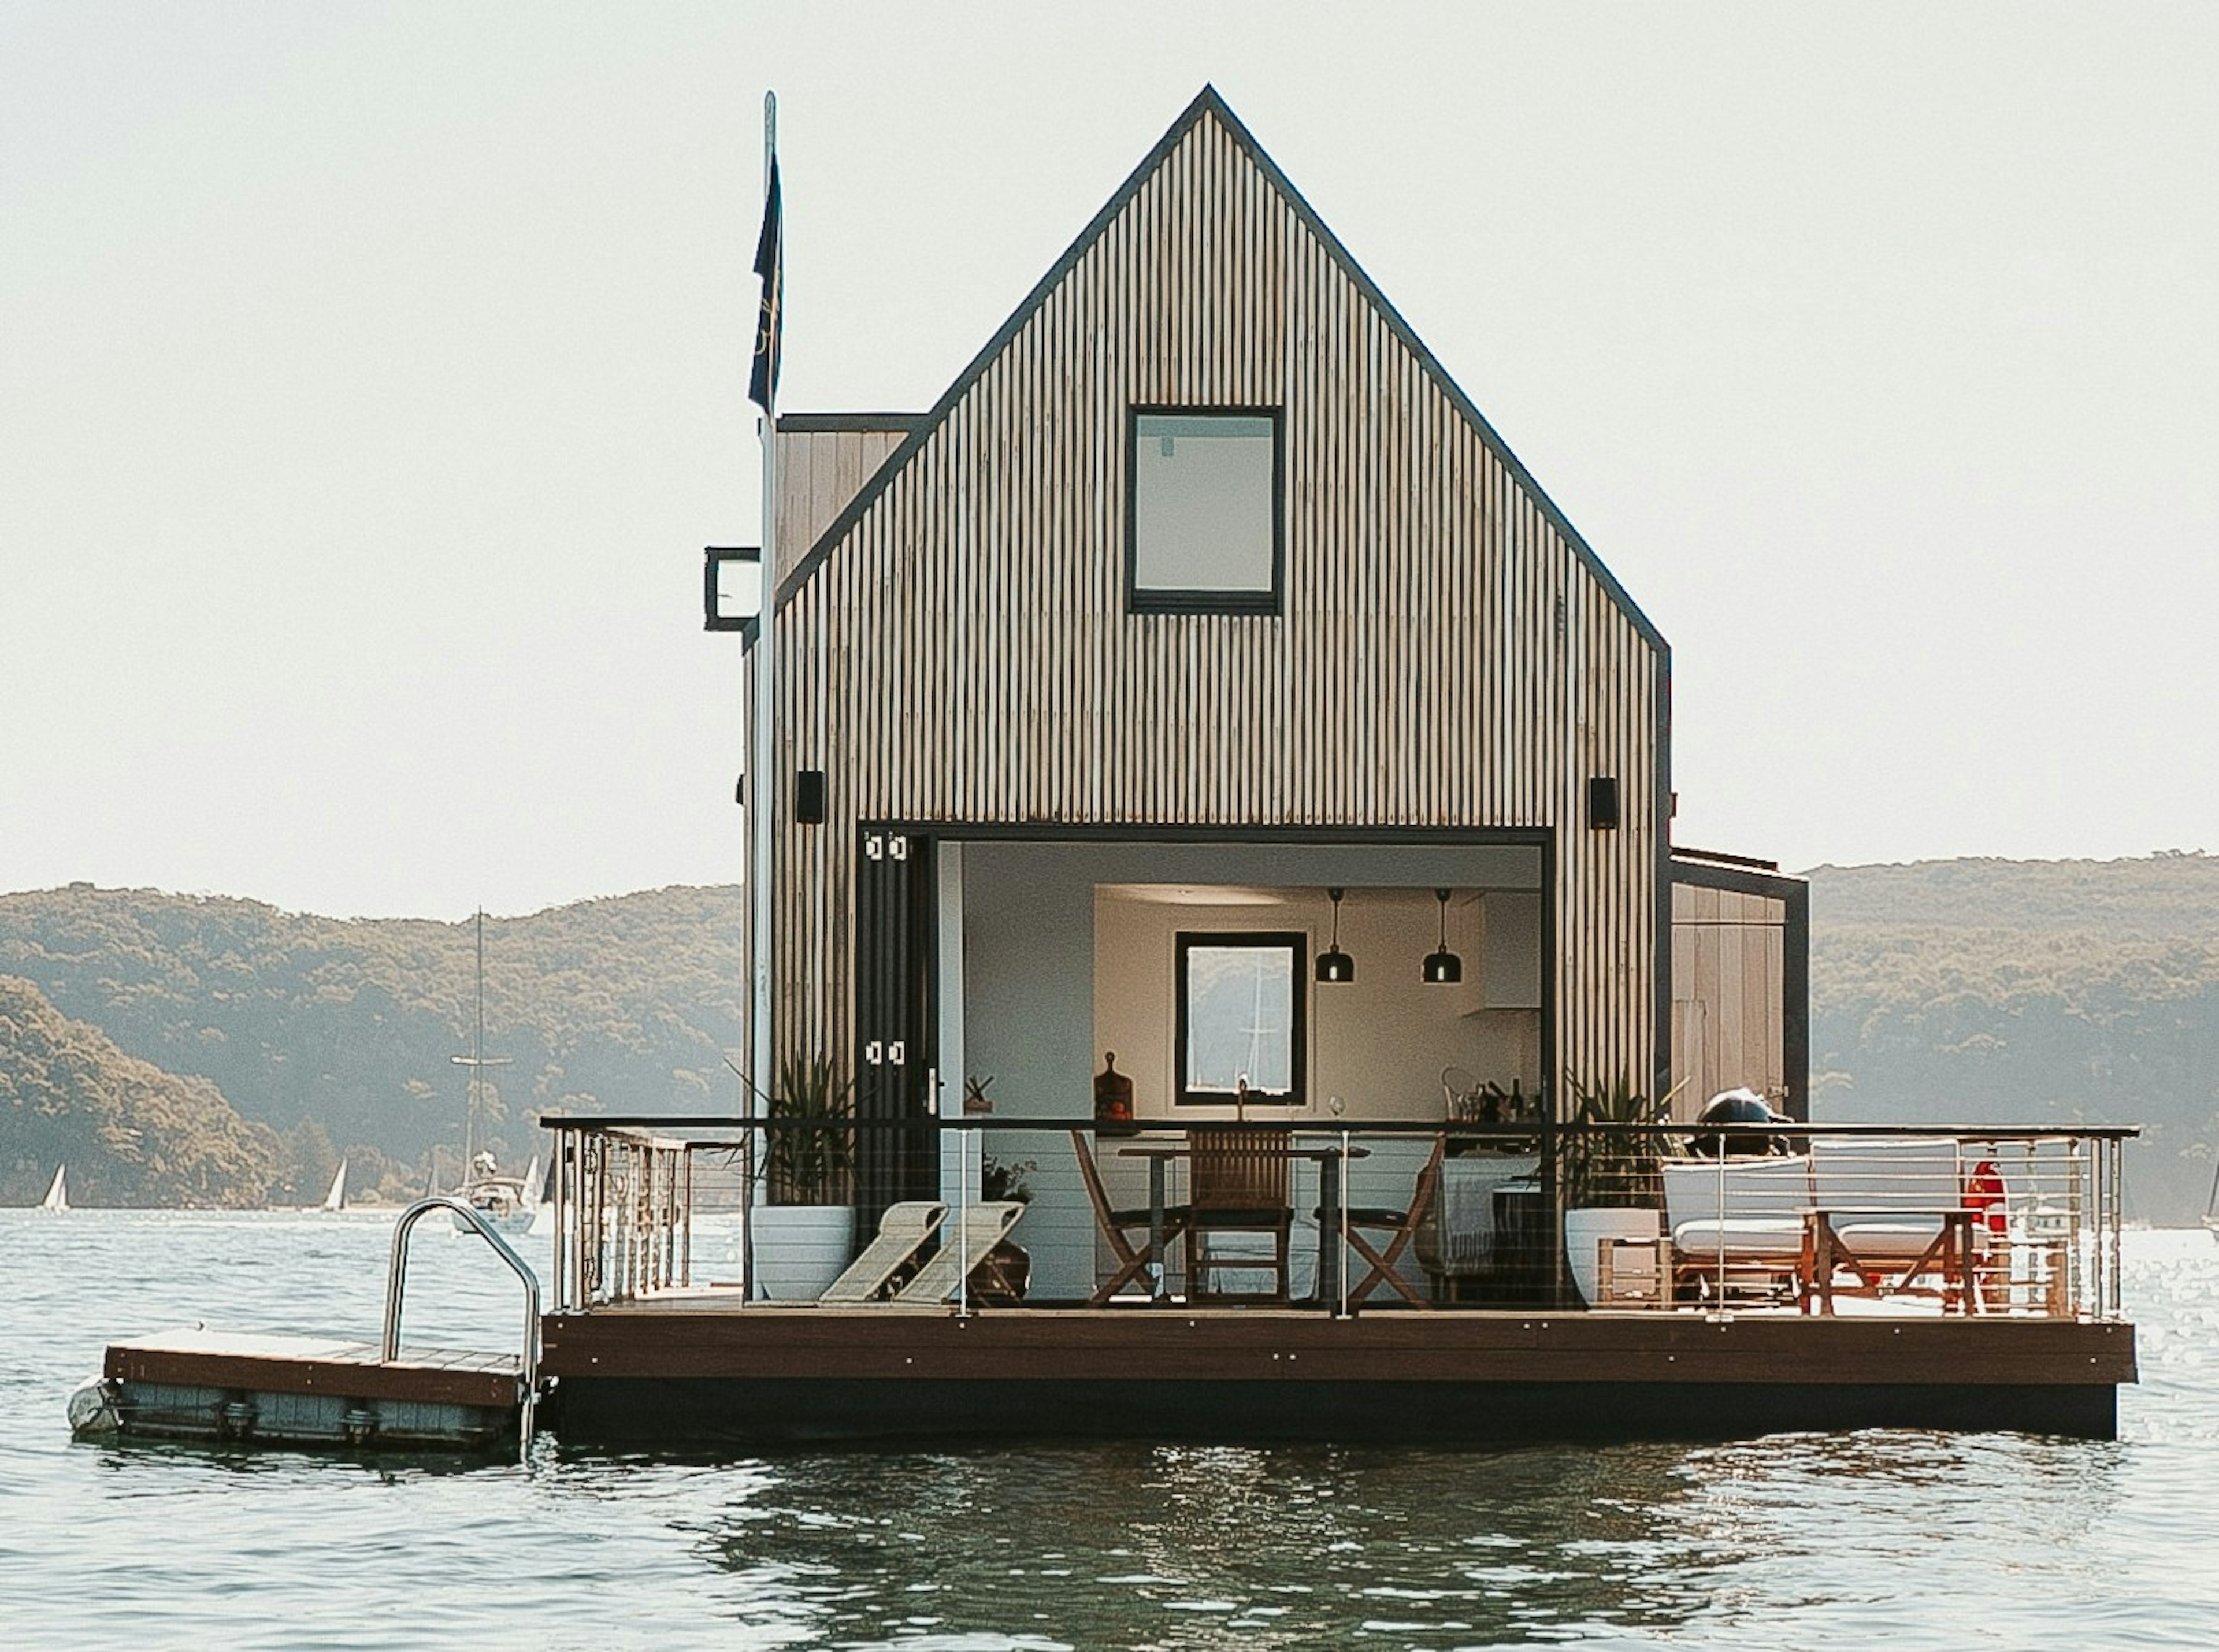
(686, 1374)
(288, 1364)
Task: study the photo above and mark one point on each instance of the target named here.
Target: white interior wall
(1378, 1042)
(1053, 973)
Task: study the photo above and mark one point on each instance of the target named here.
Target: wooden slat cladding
(1447, 657)
(818, 472)
(1728, 1008)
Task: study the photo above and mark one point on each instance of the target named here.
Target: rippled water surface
(1835, 1541)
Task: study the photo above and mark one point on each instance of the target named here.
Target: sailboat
(58, 1196)
(499, 1199)
(336, 1199)
(2211, 1207)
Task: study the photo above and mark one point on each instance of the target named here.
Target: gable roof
(1208, 103)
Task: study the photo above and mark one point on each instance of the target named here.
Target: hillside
(626, 1004)
(2039, 990)
(130, 1133)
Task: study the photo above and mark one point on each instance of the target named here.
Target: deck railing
(1811, 1218)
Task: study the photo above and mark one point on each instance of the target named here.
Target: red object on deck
(1986, 1197)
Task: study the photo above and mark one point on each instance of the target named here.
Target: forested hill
(626, 1004)
(129, 1134)
(2040, 991)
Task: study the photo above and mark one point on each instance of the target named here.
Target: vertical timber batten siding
(1447, 657)
(818, 472)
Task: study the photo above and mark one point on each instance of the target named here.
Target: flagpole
(761, 785)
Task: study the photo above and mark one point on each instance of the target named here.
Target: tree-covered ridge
(129, 1134)
(2169, 894)
(625, 1004)
(2042, 992)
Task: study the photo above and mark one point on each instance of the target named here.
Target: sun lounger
(1736, 1224)
(965, 1240)
(903, 1232)
(1889, 1216)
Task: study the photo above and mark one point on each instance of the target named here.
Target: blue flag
(763, 381)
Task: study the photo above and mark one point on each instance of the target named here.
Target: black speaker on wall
(808, 796)
(1602, 803)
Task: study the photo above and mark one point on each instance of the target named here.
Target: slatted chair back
(1237, 1183)
(1244, 1171)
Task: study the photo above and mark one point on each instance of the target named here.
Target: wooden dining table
(1328, 1157)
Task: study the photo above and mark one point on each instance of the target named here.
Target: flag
(763, 381)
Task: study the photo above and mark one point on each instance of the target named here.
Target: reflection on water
(1221, 1546)
(1833, 1542)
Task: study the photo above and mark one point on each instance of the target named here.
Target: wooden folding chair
(1114, 1225)
(1398, 1228)
(1237, 1184)
(902, 1234)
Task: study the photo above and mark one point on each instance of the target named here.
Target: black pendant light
(1443, 966)
(1335, 965)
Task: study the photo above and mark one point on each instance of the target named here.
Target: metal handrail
(397, 1279)
(634, 1233)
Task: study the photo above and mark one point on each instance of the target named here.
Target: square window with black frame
(1203, 532)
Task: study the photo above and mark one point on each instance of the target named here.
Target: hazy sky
(372, 377)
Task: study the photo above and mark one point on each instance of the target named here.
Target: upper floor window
(1203, 533)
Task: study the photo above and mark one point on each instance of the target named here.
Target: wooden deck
(683, 1373)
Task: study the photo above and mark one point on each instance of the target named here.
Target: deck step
(268, 1388)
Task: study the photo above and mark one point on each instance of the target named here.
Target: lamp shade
(1443, 968)
(1333, 964)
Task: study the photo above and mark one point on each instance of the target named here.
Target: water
(1808, 1541)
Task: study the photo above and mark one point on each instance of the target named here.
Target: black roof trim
(820, 423)
(1745, 880)
(1682, 852)
(1208, 102)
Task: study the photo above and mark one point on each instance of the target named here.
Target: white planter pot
(801, 1249)
(1584, 1233)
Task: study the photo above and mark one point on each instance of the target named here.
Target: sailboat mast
(477, 1063)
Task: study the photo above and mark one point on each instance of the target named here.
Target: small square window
(1204, 529)
(1239, 1017)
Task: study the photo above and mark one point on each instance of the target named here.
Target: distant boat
(58, 1196)
(336, 1199)
(498, 1198)
(534, 1185)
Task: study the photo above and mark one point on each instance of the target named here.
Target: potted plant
(804, 1229)
(1610, 1164)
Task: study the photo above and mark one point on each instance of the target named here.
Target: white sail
(336, 1199)
(531, 1186)
(58, 1196)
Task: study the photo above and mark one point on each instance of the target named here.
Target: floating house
(1215, 785)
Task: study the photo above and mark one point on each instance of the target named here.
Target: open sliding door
(896, 1025)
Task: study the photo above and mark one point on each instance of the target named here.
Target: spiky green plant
(1611, 1154)
(811, 1166)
